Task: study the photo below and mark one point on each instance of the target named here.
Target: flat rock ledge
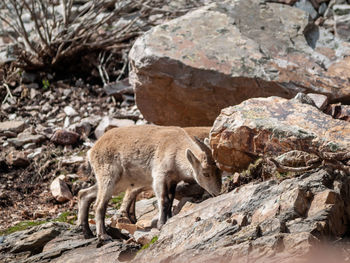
(260, 222)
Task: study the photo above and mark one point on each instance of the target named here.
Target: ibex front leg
(161, 190)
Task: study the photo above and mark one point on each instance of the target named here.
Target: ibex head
(205, 171)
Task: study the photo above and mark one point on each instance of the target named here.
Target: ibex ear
(190, 157)
(207, 143)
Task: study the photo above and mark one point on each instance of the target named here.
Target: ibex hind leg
(127, 208)
(85, 198)
(106, 185)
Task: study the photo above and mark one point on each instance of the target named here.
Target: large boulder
(259, 222)
(272, 127)
(185, 71)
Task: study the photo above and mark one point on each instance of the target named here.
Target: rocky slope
(292, 202)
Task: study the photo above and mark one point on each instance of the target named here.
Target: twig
(23, 30)
(8, 93)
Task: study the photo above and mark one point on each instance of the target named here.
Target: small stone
(93, 120)
(307, 7)
(28, 77)
(342, 21)
(33, 93)
(341, 10)
(12, 116)
(76, 119)
(322, 201)
(145, 237)
(37, 152)
(69, 111)
(320, 100)
(64, 137)
(12, 126)
(72, 176)
(46, 107)
(30, 145)
(131, 228)
(236, 179)
(60, 190)
(322, 9)
(67, 92)
(24, 138)
(9, 134)
(66, 122)
(108, 123)
(17, 159)
(83, 128)
(72, 160)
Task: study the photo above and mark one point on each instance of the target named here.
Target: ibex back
(141, 156)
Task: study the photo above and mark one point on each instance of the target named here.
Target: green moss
(63, 217)
(117, 201)
(21, 226)
(153, 240)
(46, 84)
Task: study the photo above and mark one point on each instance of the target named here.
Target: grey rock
(248, 50)
(69, 111)
(322, 9)
(73, 159)
(342, 21)
(278, 126)
(12, 126)
(307, 7)
(341, 10)
(17, 159)
(24, 138)
(109, 123)
(32, 240)
(33, 93)
(66, 122)
(28, 77)
(36, 241)
(320, 101)
(35, 153)
(120, 87)
(269, 228)
(60, 191)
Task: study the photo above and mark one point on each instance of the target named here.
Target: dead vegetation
(56, 37)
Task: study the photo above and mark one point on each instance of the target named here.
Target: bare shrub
(50, 34)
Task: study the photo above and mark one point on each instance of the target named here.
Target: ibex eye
(206, 174)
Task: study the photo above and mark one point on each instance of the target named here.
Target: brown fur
(144, 156)
(127, 209)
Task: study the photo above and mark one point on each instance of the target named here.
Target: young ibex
(184, 192)
(143, 156)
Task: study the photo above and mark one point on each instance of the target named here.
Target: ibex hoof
(103, 239)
